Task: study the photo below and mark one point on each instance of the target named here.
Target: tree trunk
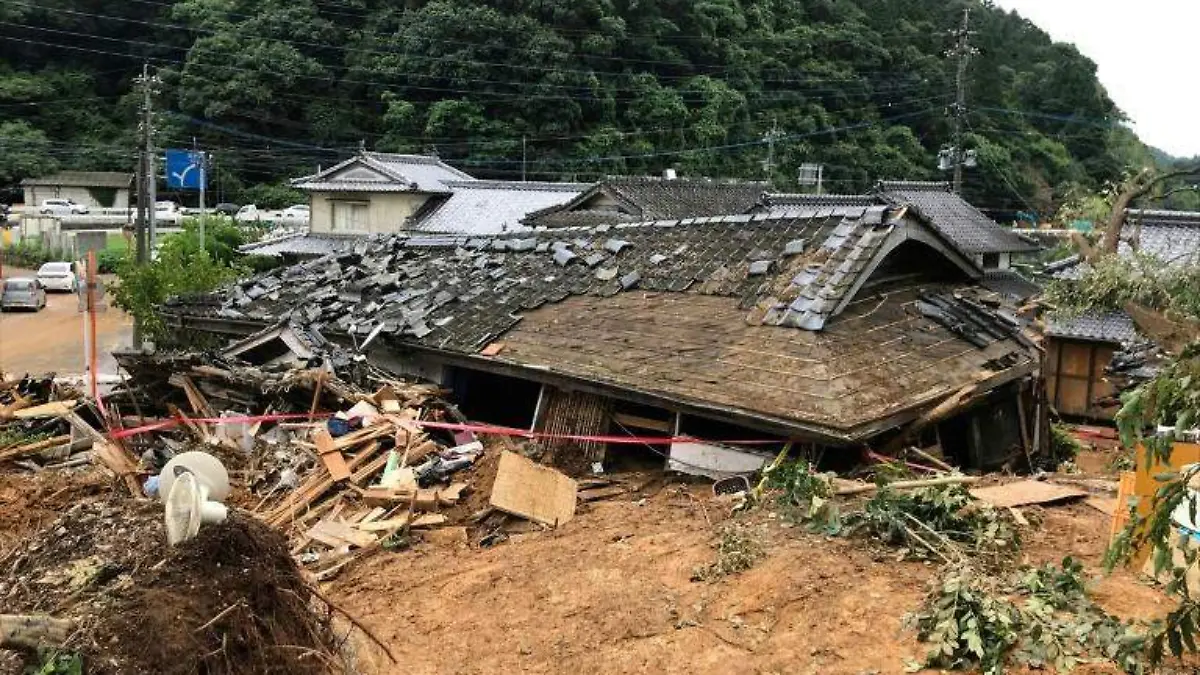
(1139, 187)
(28, 632)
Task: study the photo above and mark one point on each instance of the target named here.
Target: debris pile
(40, 426)
(101, 584)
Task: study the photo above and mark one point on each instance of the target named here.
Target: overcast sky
(1146, 54)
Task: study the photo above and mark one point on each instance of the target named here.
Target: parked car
(22, 293)
(62, 207)
(226, 209)
(295, 214)
(249, 214)
(168, 212)
(58, 276)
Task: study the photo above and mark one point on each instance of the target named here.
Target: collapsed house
(833, 329)
(1092, 356)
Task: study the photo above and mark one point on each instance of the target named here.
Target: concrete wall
(386, 212)
(35, 194)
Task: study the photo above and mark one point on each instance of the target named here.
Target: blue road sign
(184, 171)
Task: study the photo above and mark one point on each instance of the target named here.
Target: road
(52, 340)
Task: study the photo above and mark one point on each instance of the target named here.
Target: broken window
(350, 216)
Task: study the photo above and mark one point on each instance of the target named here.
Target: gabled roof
(766, 316)
(84, 179)
(384, 172)
(640, 198)
(962, 223)
(973, 231)
(493, 207)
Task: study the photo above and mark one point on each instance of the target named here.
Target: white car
(58, 276)
(168, 212)
(62, 207)
(249, 214)
(295, 214)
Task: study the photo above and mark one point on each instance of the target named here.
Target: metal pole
(203, 161)
(963, 51)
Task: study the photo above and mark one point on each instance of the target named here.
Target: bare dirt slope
(611, 592)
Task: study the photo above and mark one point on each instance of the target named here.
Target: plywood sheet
(527, 489)
(1026, 492)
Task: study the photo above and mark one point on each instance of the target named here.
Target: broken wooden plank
(384, 525)
(51, 409)
(333, 460)
(327, 531)
(627, 420)
(428, 520)
(31, 448)
(602, 493)
(529, 490)
(1026, 492)
(118, 462)
(449, 496)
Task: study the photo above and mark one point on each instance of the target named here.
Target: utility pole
(963, 51)
(199, 156)
(144, 231)
(770, 137)
(523, 156)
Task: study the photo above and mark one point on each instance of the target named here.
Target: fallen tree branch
(906, 484)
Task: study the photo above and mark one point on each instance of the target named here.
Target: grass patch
(738, 549)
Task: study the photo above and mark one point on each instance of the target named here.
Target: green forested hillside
(578, 88)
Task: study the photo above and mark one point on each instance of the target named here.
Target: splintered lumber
(428, 520)
(31, 448)
(199, 404)
(601, 493)
(337, 534)
(118, 461)
(29, 632)
(449, 496)
(906, 484)
(529, 490)
(20, 403)
(51, 409)
(320, 482)
(333, 460)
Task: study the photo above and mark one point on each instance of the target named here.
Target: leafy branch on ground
(1043, 617)
(938, 522)
(1111, 282)
(738, 546)
(805, 497)
(1064, 447)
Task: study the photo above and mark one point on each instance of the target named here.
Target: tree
(24, 152)
(1136, 187)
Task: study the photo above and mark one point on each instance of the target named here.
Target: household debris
(1026, 492)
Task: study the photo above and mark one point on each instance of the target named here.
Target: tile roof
(721, 294)
(973, 231)
(301, 245)
(962, 223)
(493, 207)
(1170, 236)
(384, 172)
(1116, 327)
(1010, 283)
(648, 198)
(86, 179)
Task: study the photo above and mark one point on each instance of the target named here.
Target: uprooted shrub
(942, 522)
(1042, 618)
(738, 546)
(804, 496)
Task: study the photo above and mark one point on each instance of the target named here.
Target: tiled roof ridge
(543, 186)
(1184, 217)
(925, 185)
(682, 180)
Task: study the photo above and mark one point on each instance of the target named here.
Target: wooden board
(529, 490)
(1026, 492)
(51, 409)
(330, 457)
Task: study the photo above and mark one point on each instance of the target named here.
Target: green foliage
(258, 264)
(970, 620)
(596, 87)
(222, 237)
(739, 547)
(24, 151)
(942, 522)
(54, 662)
(273, 196)
(1111, 282)
(804, 496)
(178, 270)
(1064, 447)
(31, 256)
